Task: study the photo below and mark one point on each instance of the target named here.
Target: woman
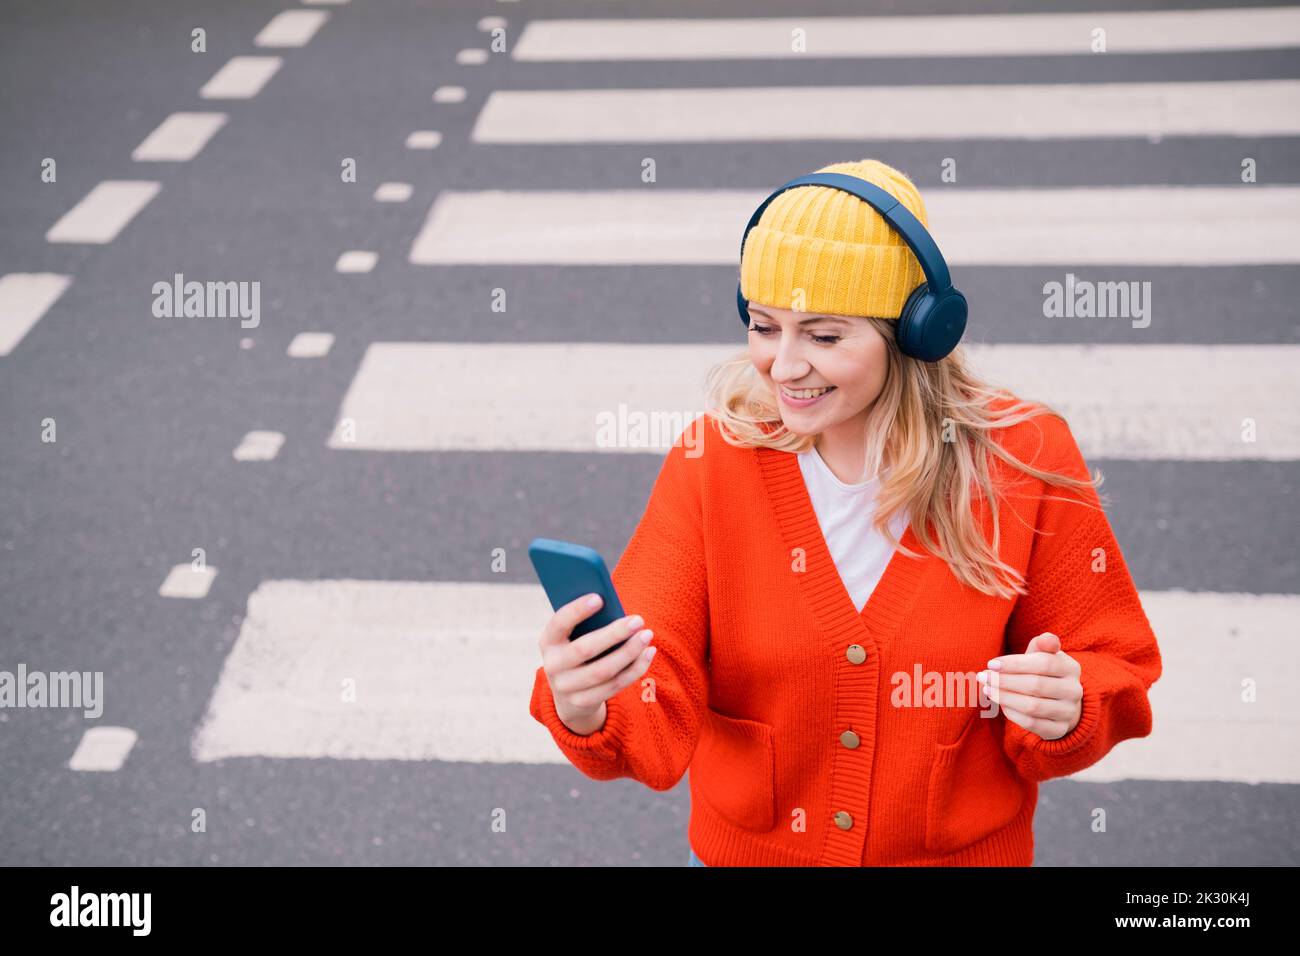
(875, 626)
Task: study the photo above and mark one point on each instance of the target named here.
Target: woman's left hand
(1039, 689)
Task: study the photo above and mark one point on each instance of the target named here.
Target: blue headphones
(934, 316)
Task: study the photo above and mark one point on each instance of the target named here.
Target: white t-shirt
(844, 512)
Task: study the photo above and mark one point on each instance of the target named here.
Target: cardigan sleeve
(1080, 589)
(652, 726)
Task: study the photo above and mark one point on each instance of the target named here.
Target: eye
(819, 339)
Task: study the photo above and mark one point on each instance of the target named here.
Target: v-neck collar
(822, 586)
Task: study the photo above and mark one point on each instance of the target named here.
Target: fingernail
(634, 622)
(650, 653)
(995, 665)
(593, 600)
(646, 635)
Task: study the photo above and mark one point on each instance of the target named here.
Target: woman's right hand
(580, 685)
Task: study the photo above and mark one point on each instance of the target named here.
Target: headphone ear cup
(912, 320)
(742, 306)
(931, 326)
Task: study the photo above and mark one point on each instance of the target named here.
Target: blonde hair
(933, 480)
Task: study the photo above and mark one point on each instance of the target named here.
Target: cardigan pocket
(973, 789)
(734, 769)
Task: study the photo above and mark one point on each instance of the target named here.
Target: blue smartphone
(567, 572)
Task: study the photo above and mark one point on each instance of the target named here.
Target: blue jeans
(696, 861)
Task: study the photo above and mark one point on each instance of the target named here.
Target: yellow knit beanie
(837, 249)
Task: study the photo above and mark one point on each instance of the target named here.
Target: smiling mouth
(803, 394)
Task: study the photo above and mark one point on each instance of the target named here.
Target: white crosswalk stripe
(1003, 35)
(1184, 226)
(888, 113)
(1179, 402)
(412, 670)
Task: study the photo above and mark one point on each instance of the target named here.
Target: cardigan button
(856, 653)
(843, 820)
(850, 739)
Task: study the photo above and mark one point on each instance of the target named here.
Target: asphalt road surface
(293, 538)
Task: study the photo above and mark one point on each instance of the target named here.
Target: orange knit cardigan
(818, 736)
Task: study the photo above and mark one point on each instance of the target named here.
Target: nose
(789, 365)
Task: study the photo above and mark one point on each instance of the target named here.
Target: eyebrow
(815, 318)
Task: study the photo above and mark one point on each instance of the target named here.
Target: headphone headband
(933, 318)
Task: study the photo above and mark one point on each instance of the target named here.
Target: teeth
(806, 392)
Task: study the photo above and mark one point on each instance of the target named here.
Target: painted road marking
(812, 37)
(416, 670)
(291, 28)
(104, 211)
(241, 78)
(841, 113)
(179, 138)
(1162, 402)
(1176, 226)
(25, 297)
